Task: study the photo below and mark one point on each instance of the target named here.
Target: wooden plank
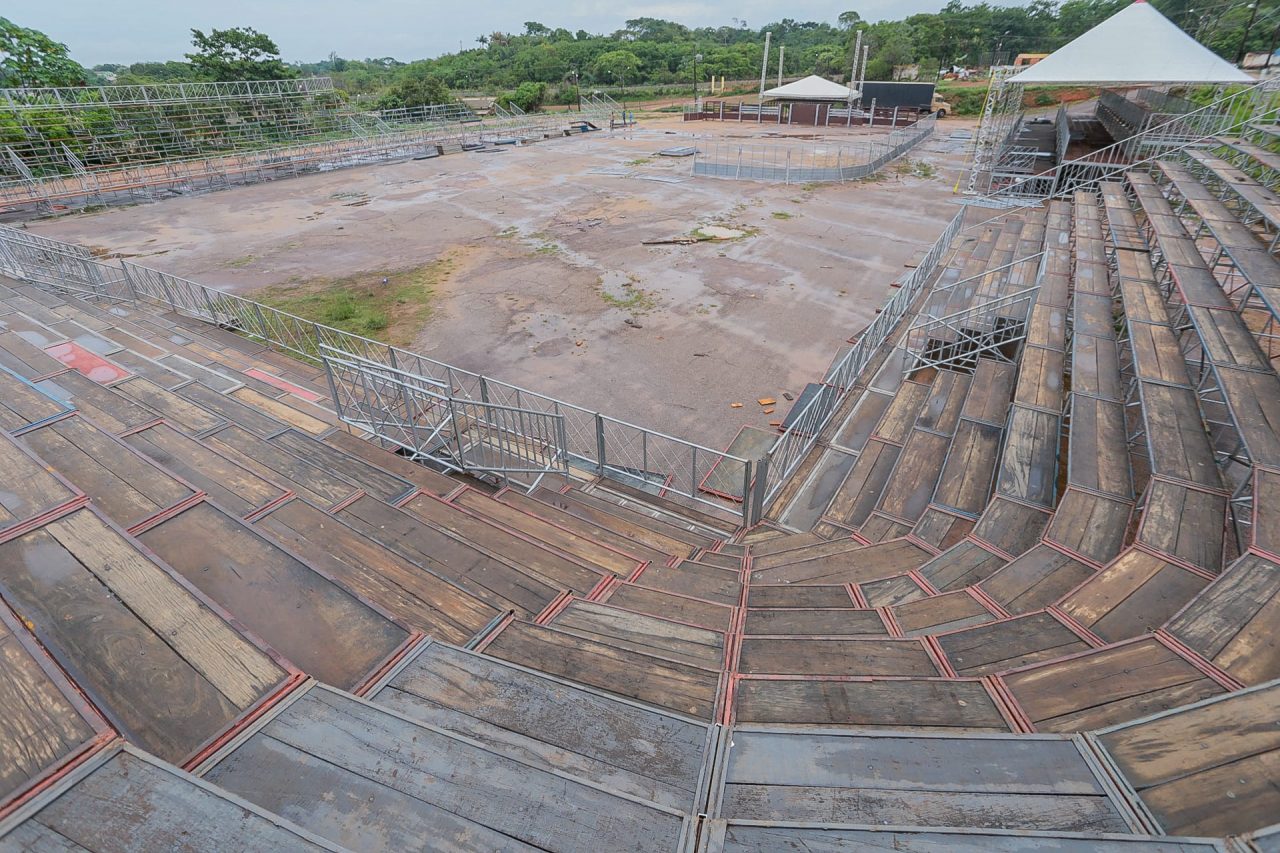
(600, 534)
(150, 693)
(651, 533)
(820, 623)
(558, 569)
(552, 724)
(689, 578)
(965, 481)
(30, 489)
(286, 412)
(941, 411)
(24, 359)
(807, 656)
(895, 425)
(185, 415)
(640, 632)
(990, 392)
(429, 480)
(1011, 526)
(233, 487)
(911, 486)
(133, 802)
(869, 704)
(498, 582)
(22, 404)
(658, 602)
(942, 529)
(580, 547)
(1176, 438)
(936, 781)
(1090, 525)
(962, 565)
(781, 595)
(323, 629)
(1185, 523)
(1099, 447)
(667, 684)
(1095, 368)
(104, 406)
(374, 480)
(948, 612)
(246, 417)
(890, 591)
(1040, 379)
(320, 486)
(1028, 467)
(125, 485)
(825, 838)
(1107, 686)
(865, 564)
(1037, 579)
(1156, 354)
(40, 725)
(861, 423)
(413, 595)
(327, 752)
(1009, 644)
(1232, 622)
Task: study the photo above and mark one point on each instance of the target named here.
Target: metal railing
(1197, 129)
(806, 163)
(504, 415)
(790, 449)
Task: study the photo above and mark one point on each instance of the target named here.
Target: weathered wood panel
(1017, 642)
(794, 656)
(869, 703)
(311, 620)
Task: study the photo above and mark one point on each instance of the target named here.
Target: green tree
(528, 96)
(240, 53)
(617, 66)
(30, 58)
(415, 86)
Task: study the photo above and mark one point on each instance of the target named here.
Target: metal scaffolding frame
(73, 147)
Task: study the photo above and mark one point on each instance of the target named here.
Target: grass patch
(241, 262)
(639, 161)
(362, 304)
(781, 214)
(915, 169)
(547, 249)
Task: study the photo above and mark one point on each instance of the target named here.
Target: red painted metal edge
(36, 522)
(54, 773)
(988, 602)
(1075, 627)
(1199, 662)
(1008, 705)
(855, 595)
(412, 643)
(554, 607)
(166, 514)
(417, 493)
(347, 501)
(258, 513)
(922, 582)
(244, 720)
(890, 622)
(494, 632)
(939, 657)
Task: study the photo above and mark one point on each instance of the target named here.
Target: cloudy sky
(100, 31)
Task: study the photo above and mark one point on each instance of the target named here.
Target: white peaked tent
(1137, 45)
(811, 88)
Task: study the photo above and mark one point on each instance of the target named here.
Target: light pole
(697, 105)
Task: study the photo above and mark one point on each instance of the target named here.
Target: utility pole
(1244, 37)
(853, 72)
(782, 51)
(697, 57)
(764, 68)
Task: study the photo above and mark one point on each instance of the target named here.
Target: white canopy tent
(1135, 57)
(1137, 46)
(811, 88)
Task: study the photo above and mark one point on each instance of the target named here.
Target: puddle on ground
(720, 232)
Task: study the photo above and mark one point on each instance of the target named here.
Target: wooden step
(677, 687)
(328, 751)
(658, 637)
(560, 539)
(936, 705)
(429, 480)
(604, 535)
(324, 629)
(374, 480)
(552, 724)
(665, 509)
(669, 605)
(412, 594)
(641, 528)
(690, 578)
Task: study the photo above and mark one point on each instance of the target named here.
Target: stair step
(639, 632)
(641, 528)
(583, 528)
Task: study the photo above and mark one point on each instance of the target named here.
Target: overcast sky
(100, 31)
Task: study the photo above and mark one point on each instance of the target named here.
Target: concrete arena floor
(542, 241)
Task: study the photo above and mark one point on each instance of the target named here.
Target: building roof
(1136, 45)
(811, 88)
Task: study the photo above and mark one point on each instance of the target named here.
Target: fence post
(787, 174)
(872, 121)
(600, 458)
(133, 291)
(761, 487)
(748, 471)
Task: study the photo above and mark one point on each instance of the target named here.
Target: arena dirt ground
(548, 282)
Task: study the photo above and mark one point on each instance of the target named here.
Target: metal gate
(422, 416)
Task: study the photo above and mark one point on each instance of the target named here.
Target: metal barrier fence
(584, 439)
(806, 163)
(794, 444)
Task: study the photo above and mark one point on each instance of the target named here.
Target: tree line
(542, 63)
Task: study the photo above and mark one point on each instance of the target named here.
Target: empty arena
(690, 513)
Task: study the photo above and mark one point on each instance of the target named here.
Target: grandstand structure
(1008, 578)
(69, 148)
